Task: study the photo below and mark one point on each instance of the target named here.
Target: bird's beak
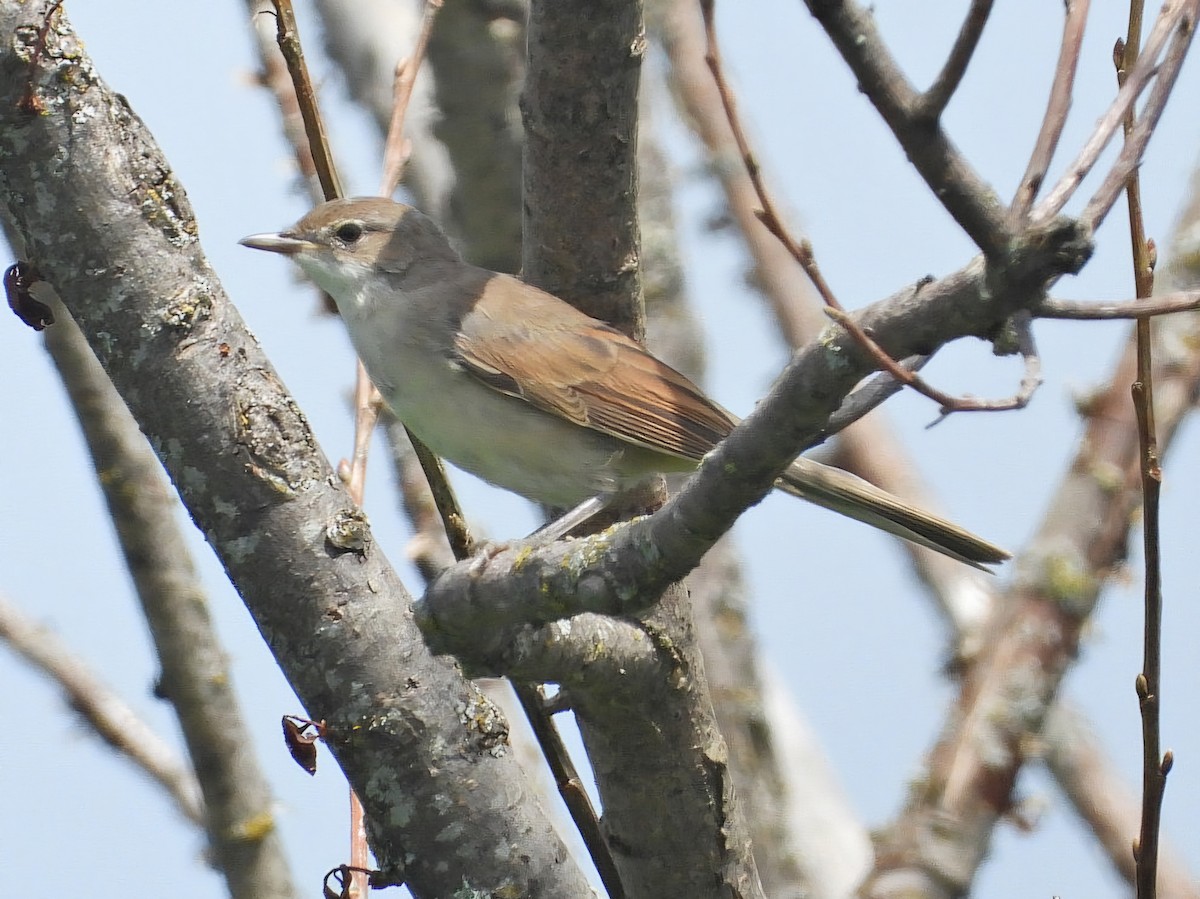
(283, 244)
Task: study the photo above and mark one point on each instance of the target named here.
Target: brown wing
(587, 372)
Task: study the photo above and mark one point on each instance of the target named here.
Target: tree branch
(195, 679)
(106, 713)
(96, 204)
(972, 203)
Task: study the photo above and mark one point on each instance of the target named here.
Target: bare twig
(935, 100)
(1162, 304)
(959, 188)
(570, 784)
(1135, 144)
(801, 251)
(1103, 800)
(1175, 20)
(453, 520)
(948, 404)
(1057, 107)
(396, 152)
(1149, 683)
(275, 77)
(109, 716)
(366, 413)
(314, 126)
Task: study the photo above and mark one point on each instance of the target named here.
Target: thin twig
(935, 100)
(1135, 145)
(1103, 800)
(948, 404)
(1149, 682)
(801, 251)
(1171, 18)
(276, 79)
(107, 714)
(396, 149)
(569, 783)
(366, 413)
(1057, 107)
(1082, 310)
(968, 198)
(314, 126)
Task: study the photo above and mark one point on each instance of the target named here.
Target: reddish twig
(396, 149)
(948, 404)
(801, 251)
(366, 413)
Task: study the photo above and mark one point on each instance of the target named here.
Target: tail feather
(853, 497)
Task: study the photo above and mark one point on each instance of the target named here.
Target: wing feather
(587, 373)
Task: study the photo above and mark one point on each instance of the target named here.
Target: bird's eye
(348, 232)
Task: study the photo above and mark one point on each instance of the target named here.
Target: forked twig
(963, 192)
(802, 252)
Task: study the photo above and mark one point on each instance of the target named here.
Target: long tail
(853, 497)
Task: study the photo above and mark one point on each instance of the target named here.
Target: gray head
(342, 243)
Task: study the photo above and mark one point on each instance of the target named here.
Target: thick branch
(96, 204)
(582, 242)
(195, 671)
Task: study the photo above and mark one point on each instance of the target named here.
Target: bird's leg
(564, 524)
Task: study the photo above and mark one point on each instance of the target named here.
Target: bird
(519, 387)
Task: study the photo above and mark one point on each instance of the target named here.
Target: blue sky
(838, 612)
